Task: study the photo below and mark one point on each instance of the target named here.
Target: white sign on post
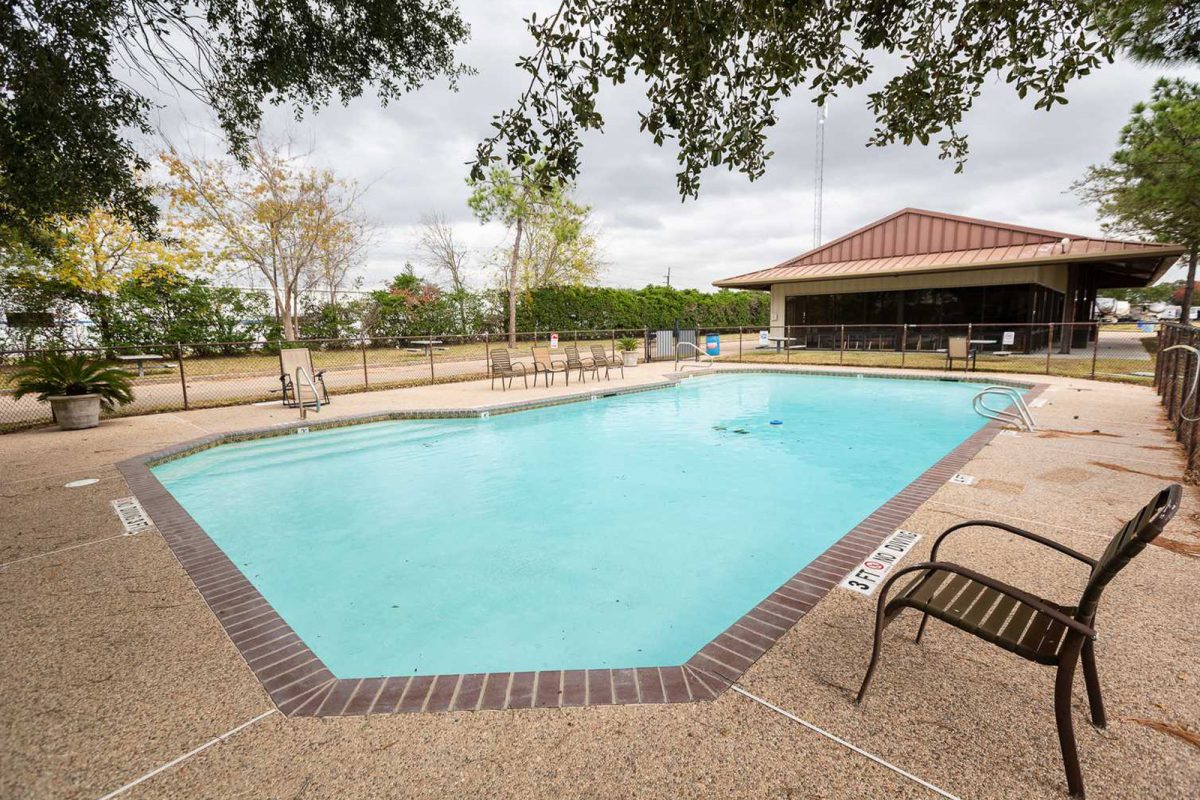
(763, 338)
(871, 571)
(554, 341)
(1010, 338)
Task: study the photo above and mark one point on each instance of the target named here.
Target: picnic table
(781, 340)
(428, 344)
(140, 359)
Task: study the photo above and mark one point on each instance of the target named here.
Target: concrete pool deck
(113, 665)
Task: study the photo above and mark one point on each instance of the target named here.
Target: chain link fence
(185, 376)
(1175, 379)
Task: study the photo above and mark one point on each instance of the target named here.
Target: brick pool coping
(300, 684)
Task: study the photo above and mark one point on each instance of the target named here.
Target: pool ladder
(1020, 417)
(302, 372)
(681, 365)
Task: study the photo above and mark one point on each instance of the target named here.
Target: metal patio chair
(291, 358)
(1034, 628)
(958, 348)
(545, 364)
(502, 367)
(602, 359)
(581, 363)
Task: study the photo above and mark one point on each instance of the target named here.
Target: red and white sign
(554, 341)
(870, 573)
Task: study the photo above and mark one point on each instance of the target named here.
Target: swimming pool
(624, 532)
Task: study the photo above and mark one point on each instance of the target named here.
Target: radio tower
(819, 174)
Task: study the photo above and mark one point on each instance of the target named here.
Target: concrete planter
(75, 412)
(630, 358)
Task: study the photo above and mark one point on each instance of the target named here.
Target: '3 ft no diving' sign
(870, 573)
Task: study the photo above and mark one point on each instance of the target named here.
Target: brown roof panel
(914, 240)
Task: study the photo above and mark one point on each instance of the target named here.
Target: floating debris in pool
(718, 427)
(740, 430)
(776, 422)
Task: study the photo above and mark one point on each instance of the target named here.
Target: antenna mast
(819, 174)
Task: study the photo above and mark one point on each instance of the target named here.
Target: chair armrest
(1036, 603)
(1033, 537)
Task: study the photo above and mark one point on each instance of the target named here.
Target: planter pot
(75, 412)
(630, 358)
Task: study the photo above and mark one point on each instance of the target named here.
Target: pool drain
(81, 482)
(133, 517)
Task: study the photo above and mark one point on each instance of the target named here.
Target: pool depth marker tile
(300, 684)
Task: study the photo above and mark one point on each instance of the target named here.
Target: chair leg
(921, 630)
(1063, 681)
(862, 691)
(1092, 680)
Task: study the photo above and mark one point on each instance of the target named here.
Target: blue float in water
(776, 422)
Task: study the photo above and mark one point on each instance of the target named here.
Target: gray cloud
(414, 156)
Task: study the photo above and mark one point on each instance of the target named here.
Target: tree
(68, 106)
(560, 248)
(100, 252)
(294, 226)
(446, 258)
(1156, 31)
(1151, 185)
(522, 198)
(714, 71)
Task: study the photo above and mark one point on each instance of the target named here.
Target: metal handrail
(1191, 393)
(1021, 417)
(699, 353)
(316, 395)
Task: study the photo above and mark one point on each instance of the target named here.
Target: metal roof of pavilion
(913, 241)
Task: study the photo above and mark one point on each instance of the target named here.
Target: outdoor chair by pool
(290, 359)
(1034, 628)
(959, 349)
(502, 367)
(601, 359)
(581, 363)
(545, 364)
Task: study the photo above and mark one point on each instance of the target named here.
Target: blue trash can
(712, 344)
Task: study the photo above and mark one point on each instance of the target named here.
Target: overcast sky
(414, 156)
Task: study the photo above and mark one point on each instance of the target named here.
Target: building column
(1069, 308)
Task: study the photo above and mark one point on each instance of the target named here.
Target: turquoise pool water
(622, 532)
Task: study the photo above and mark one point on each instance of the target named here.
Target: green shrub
(60, 374)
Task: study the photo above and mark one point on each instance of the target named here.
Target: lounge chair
(502, 367)
(601, 359)
(959, 349)
(1033, 628)
(581, 363)
(290, 359)
(545, 364)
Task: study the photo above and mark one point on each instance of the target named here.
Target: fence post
(1095, 346)
(182, 376)
(903, 343)
(487, 352)
(614, 344)
(432, 377)
(1049, 344)
(646, 344)
(362, 345)
(741, 333)
(787, 351)
(842, 346)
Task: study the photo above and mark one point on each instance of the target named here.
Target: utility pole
(668, 277)
(819, 174)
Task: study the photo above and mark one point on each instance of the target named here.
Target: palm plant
(57, 374)
(627, 344)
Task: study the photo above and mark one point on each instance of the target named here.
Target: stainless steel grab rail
(1021, 417)
(316, 395)
(700, 353)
